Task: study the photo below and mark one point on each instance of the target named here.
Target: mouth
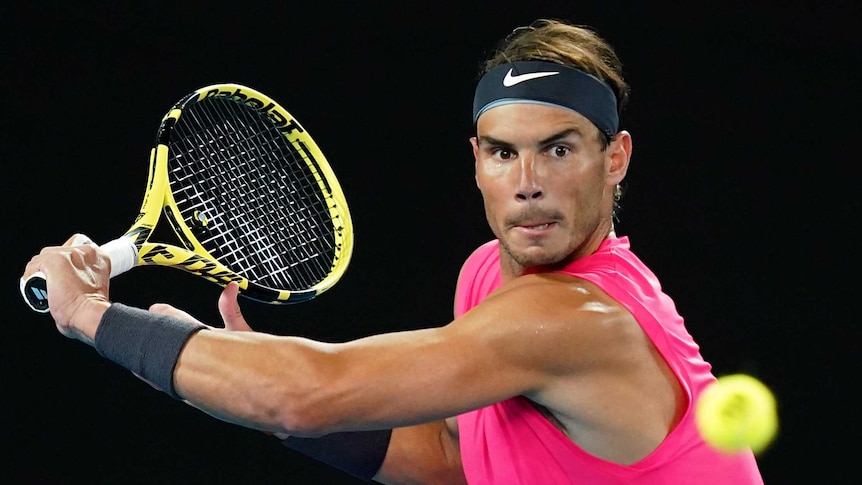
(534, 222)
(534, 227)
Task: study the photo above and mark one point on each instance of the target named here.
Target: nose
(529, 179)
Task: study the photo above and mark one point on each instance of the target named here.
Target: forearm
(264, 394)
(286, 385)
(256, 380)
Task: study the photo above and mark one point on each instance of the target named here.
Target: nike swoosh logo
(511, 80)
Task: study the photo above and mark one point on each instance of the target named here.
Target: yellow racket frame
(192, 257)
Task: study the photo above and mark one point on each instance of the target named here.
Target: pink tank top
(512, 443)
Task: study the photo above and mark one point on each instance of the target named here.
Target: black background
(740, 196)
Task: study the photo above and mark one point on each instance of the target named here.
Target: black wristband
(145, 343)
(359, 453)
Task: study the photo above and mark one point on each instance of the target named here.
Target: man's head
(549, 153)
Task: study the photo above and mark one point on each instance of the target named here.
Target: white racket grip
(122, 253)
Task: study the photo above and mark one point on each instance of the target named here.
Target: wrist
(85, 320)
(146, 343)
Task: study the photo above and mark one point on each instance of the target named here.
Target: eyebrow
(549, 140)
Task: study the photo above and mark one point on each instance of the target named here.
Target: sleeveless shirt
(511, 442)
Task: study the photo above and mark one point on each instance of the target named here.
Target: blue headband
(549, 83)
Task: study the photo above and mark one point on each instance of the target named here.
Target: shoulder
(554, 319)
(554, 294)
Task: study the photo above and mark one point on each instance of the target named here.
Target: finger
(32, 266)
(228, 307)
(35, 263)
(79, 240)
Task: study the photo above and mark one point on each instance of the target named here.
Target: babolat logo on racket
(284, 123)
(193, 263)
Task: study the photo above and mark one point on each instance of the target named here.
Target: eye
(559, 151)
(503, 153)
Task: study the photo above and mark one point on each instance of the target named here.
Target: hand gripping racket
(249, 195)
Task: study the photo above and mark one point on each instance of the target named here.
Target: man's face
(546, 182)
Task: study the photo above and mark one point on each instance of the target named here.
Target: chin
(548, 260)
(535, 256)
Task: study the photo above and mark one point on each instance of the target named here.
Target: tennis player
(565, 362)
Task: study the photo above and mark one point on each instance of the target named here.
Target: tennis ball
(735, 412)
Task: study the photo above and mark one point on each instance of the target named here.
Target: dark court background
(740, 196)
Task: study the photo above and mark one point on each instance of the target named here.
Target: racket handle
(121, 251)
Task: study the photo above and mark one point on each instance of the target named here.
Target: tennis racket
(249, 196)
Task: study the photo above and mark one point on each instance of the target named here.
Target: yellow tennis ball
(735, 412)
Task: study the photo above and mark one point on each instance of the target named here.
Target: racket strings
(250, 196)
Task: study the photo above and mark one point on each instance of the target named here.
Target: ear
(619, 154)
(474, 142)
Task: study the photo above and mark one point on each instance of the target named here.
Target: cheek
(490, 197)
(482, 183)
(493, 176)
(490, 188)
(487, 198)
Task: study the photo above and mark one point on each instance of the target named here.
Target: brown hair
(564, 43)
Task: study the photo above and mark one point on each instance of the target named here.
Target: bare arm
(307, 388)
(520, 341)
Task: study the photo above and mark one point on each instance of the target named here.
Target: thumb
(228, 307)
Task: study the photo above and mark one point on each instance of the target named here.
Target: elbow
(307, 406)
(298, 417)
